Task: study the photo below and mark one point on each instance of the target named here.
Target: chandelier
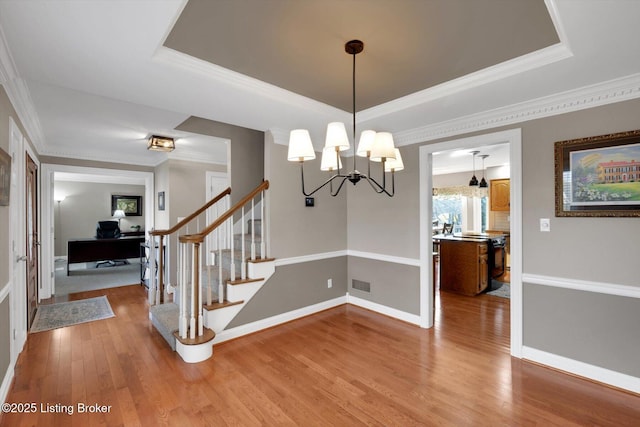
(375, 146)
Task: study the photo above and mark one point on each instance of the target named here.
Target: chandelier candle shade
(375, 146)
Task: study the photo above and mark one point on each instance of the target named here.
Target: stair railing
(157, 282)
(191, 259)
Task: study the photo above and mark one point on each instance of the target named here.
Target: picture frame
(5, 177)
(131, 205)
(598, 176)
(161, 200)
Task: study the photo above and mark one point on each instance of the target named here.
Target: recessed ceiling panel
(410, 45)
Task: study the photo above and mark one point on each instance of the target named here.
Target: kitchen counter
(476, 237)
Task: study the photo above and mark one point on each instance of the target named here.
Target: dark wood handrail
(199, 238)
(190, 217)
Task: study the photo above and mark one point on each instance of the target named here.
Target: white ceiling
(85, 74)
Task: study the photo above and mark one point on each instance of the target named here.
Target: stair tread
(207, 336)
(217, 305)
(242, 281)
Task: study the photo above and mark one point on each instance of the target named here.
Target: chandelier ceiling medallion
(375, 146)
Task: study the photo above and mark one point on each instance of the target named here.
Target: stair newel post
(199, 284)
(183, 289)
(253, 231)
(152, 270)
(194, 279)
(263, 250)
(243, 257)
(219, 265)
(160, 288)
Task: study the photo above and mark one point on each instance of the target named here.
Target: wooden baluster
(263, 249)
(253, 231)
(219, 265)
(160, 288)
(199, 289)
(209, 279)
(243, 256)
(152, 271)
(183, 290)
(232, 266)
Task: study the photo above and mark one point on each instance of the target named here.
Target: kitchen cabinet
(464, 266)
(500, 194)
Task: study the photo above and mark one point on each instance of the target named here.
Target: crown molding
(19, 95)
(500, 71)
(104, 157)
(172, 58)
(609, 92)
(193, 156)
(7, 66)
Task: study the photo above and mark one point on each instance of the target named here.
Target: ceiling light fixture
(483, 182)
(161, 143)
(474, 181)
(375, 146)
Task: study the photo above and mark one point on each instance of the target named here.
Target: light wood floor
(342, 367)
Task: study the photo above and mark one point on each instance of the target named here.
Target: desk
(93, 249)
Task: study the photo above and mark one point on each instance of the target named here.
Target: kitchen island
(467, 262)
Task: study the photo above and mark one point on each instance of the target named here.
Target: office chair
(109, 230)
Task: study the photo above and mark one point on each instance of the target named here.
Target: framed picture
(161, 200)
(131, 205)
(5, 177)
(598, 176)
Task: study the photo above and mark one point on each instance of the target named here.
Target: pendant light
(483, 182)
(474, 181)
(375, 146)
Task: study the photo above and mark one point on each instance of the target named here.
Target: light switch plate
(545, 224)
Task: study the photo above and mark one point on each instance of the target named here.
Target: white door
(217, 182)
(17, 264)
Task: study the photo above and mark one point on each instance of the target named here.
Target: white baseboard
(269, 322)
(383, 309)
(596, 373)
(6, 382)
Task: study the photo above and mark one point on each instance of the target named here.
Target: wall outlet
(545, 224)
(329, 283)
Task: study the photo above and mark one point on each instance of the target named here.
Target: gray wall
(6, 111)
(185, 187)
(85, 204)
(296, 229)
(296, 286)
(247, 152)
(598, 329)
(5, 336)
(391, 284)
(162, 219)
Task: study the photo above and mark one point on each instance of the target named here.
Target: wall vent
(360, 285)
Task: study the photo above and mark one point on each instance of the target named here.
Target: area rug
(53, 316)
(502, 290)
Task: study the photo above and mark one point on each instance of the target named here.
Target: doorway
(513, 138)
(86, 174)
(32, 238)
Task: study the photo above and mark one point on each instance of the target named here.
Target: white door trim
(17, 277)
(514, 138)
(47, 205)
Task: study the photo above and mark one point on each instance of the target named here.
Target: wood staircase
(189, 322)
